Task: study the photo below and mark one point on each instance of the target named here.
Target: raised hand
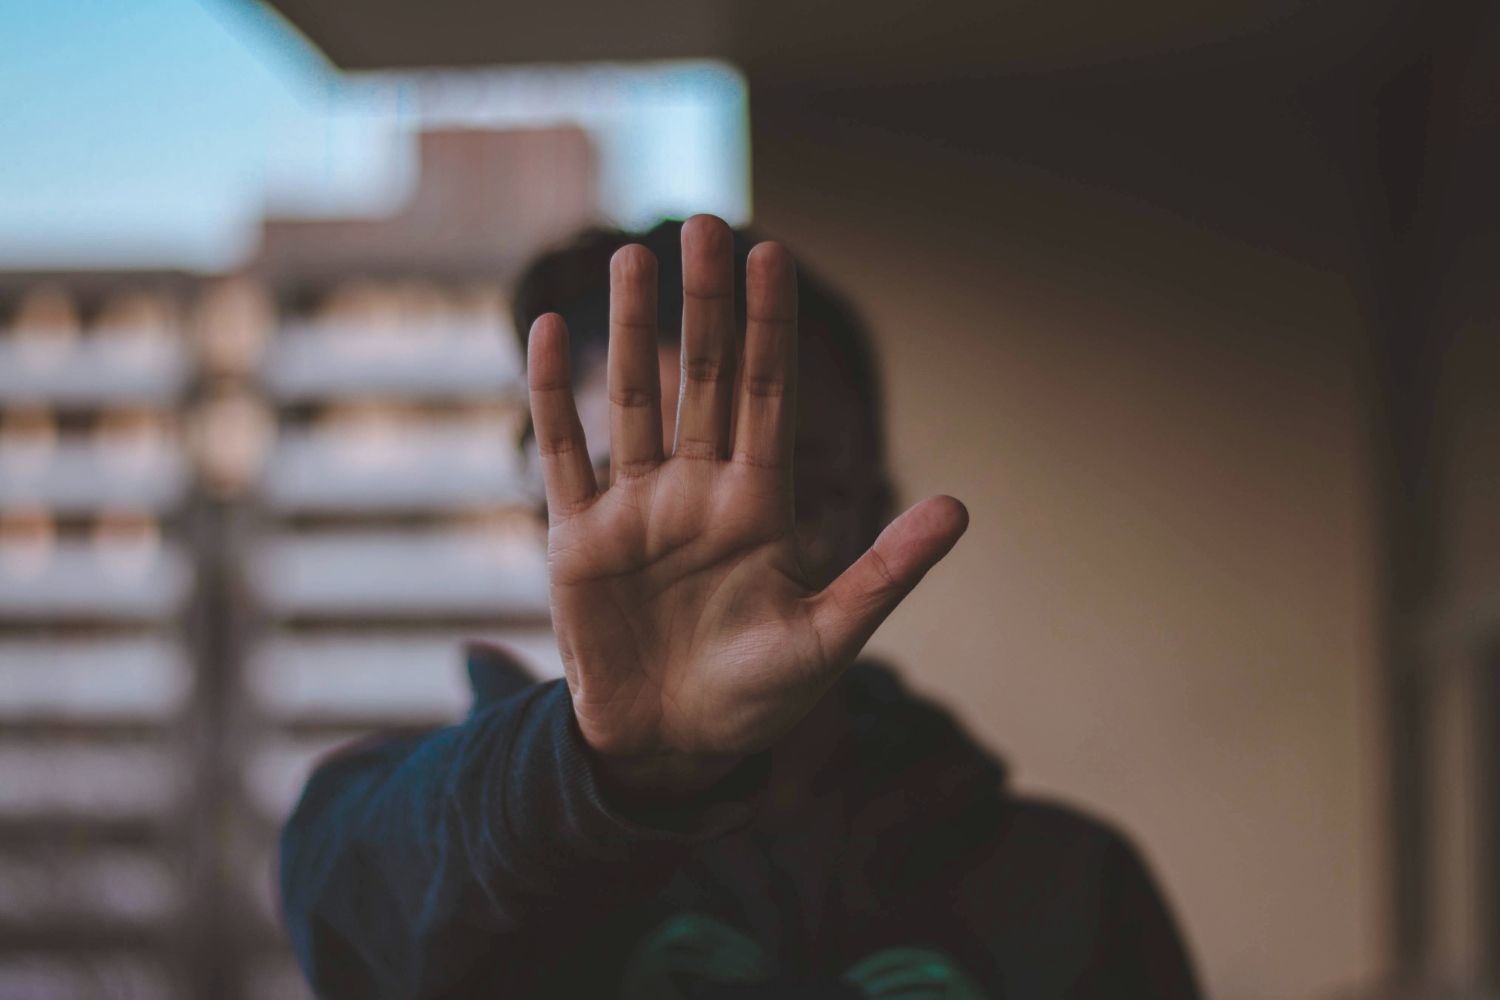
(688, 629)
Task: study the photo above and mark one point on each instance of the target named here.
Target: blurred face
(841, 490)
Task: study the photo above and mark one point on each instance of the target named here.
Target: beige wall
(1163, 609)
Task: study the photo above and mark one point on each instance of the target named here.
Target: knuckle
(703, 369)
(696, 448)
(632, 398)
(569, 508)
(644, 325)
(755, 460)
(766, 386)
(633, 468)
(557, 447)
(886, 580)
(780, 322)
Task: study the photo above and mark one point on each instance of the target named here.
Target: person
(717, 800)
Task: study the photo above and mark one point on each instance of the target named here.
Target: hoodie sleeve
(475, 854)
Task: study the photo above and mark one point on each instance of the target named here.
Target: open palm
(688, 628)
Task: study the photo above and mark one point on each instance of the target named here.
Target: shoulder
(892, 729)
(1067, 885)
(1065, 830)
(1080, 861)
(1065, 895)
(908, 749)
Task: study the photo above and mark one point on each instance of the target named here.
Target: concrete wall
(1133, 349)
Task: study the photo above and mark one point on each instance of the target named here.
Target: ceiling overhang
(802, 42)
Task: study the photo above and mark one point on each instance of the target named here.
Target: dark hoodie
(484, 860)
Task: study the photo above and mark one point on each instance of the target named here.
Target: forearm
(403, 866)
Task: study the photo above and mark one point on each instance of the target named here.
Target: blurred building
(244, 518)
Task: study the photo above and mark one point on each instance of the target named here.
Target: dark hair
(573, 281)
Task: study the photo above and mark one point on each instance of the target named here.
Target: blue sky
(157, 132)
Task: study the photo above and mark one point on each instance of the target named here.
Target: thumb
(852, 607)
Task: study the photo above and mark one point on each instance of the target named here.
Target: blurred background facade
(1193, 307)
(246, 518)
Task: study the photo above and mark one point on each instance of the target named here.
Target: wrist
(663, 777)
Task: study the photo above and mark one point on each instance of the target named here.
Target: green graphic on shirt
(691, 951)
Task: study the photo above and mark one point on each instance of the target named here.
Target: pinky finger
(566, 467)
